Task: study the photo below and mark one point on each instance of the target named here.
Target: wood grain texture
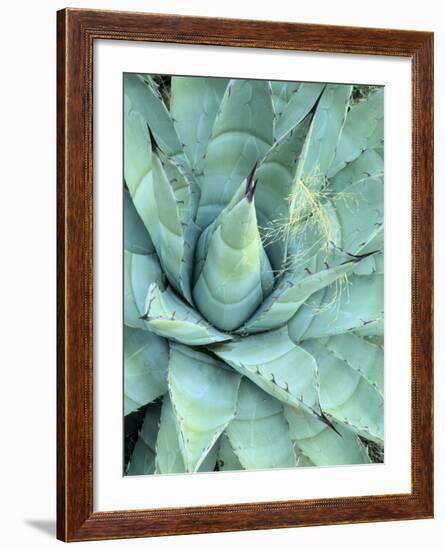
(76, 32)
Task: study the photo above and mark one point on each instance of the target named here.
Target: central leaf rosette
(233, 275)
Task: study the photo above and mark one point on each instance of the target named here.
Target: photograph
(253, 274)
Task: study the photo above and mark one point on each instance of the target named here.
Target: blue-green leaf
(346, 395)
(359, 211)
(136, 236)
(139, 272)
(290, 294)
(167, 315)
(194, 103)
(171, 223)
(363, 130)
(168, 453)
(241, 135)
(321, 142)
(335, 310)
(369, 164)
(259, 435)
(227, 459)
(361, 355)
(275, 180)
(145, 368)
(142, 460)
(281, 94)
(299, 104)
(235, 274)
(203, 394)
(146, 101)
(321, 444)
(275, 364)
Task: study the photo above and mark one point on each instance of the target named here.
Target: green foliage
(253, 274)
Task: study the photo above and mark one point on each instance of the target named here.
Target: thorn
(154, 144)
(145, 317)
(251, 183)
(308, 271)
(328, 423)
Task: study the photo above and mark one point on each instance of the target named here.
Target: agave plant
(253, 274)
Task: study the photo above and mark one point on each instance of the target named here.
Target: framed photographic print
(245, 228)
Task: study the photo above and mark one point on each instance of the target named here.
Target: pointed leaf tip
(154, 144)
(251, 183)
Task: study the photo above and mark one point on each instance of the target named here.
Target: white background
(28, 275)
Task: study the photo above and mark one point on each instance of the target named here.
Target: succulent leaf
(357, 306)
(299, 104)
(203, 395)
(281, 94)
(137, 150)
(140, 270)
(346, 395)
(291, 293)
(147, 102)
(145, 368)
(360, 215)
(321, 142)
(167, 315)
(322, 445)
(143, 109)
(193, 106)
(171, 224)
(302, 460)
(227, 459)
(142, 459)
(363, 356)
(168, 452)
(356, 136)
(136, 236)
(275, 364)
(369, 164)
(259, 435)
(241, 135)
(275, 180)
(137, 160)
(235, 273)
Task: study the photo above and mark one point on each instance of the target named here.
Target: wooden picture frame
(76, 32)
